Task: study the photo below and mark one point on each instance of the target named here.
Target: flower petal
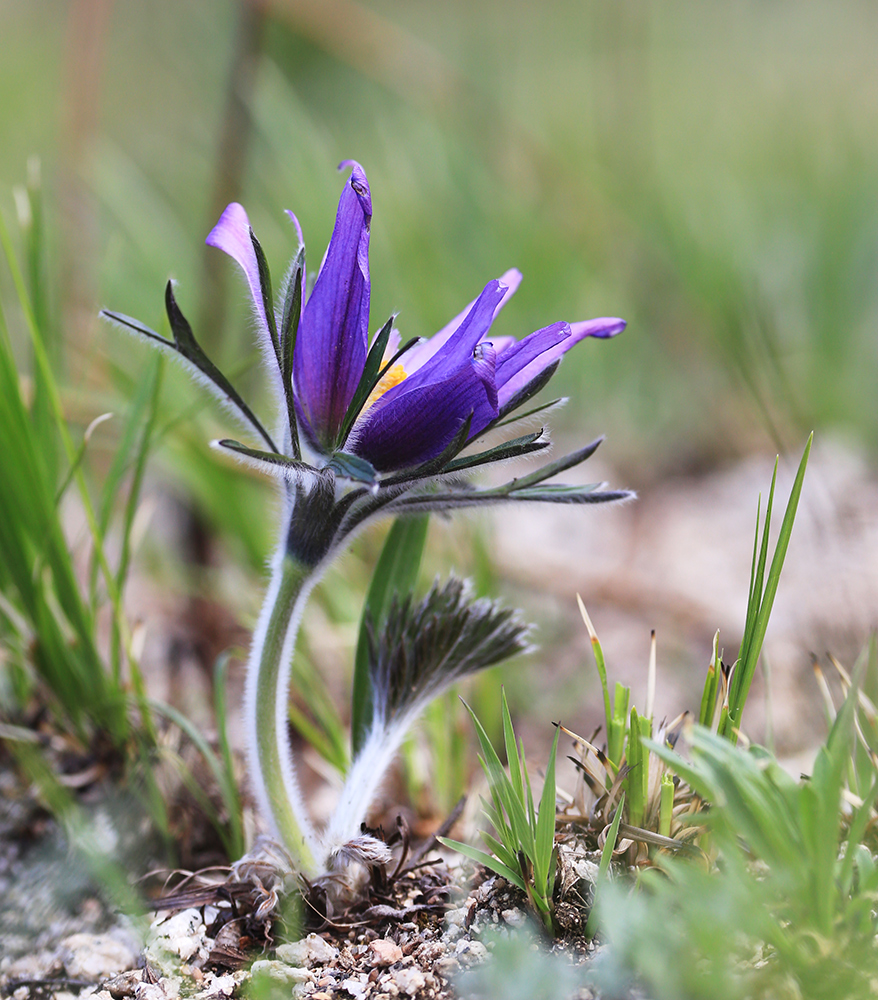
(417, 424)
(457, 348)
(232, 235)
(331, 346)
(427, 349)
(519, 365)
(602, 328)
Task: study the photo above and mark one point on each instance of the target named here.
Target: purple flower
(408, 406)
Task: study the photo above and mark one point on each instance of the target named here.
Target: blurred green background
(705, 170)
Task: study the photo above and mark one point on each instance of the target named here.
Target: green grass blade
(224, 780)
(544, 835)
(512, 758)
(604, 867)
(502, 790)
(755, 636)
(599, 663)
(231, 794)
(483, 858)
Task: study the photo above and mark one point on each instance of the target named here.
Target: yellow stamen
(393, 376)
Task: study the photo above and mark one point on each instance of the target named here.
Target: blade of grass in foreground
(761, 599)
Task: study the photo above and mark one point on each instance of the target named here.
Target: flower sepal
(270, 463)
(185, 346)
(352, 467)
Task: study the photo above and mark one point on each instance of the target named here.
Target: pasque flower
(367, 429)
(427, 390)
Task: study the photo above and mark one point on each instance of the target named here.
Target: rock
(181, 934)
(124, 985)
(219, 986)
(409, 981)
(311, 950)
(514, 918)
(470, 952)
(154, 991)
(42, 965)
(447, 966)
(96, 956)
(278, 972)
(356, 987)
(385, 952)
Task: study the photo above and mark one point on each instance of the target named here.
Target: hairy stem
(268, 677)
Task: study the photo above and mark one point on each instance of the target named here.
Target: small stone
(446, 967)
(456, 918)
(356, 987)
(219, 986)
(43, 965)
(150, 991)
(124, 984)
(385, 952)
(311, 950)
(278, 972)
(409, 981)
(183, 933)
(95, 956)
(470, 952)
(514, 918)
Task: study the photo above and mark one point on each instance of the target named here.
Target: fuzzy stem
(268, 676)
(367, 772)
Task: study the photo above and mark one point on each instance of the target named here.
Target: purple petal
(298, 226)
(232, 235)
(422, 353)
(420, 423)
(332, 341)
(518, 366)
(457, 348)
(603, 328)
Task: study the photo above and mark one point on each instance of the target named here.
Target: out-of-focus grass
(704, 172)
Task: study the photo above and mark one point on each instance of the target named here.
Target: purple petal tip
(231, 223)
(359, 184)
(602, 328)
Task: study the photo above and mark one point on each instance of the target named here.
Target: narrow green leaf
(267, 298)
(292, 311)
(272, 459)
(191, 350)
(482, 858)
(373, 371)
(553, 468)
(544, 835)
(501, 786)
(604, 867)
(745, 670)
(512, 758)
(666, 804)
(396, 573)
(531, 413)
(516, 448)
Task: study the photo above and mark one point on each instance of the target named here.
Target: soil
(416, 935)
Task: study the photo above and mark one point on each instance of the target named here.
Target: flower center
(393, 376)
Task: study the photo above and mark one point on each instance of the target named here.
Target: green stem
(270, 753)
